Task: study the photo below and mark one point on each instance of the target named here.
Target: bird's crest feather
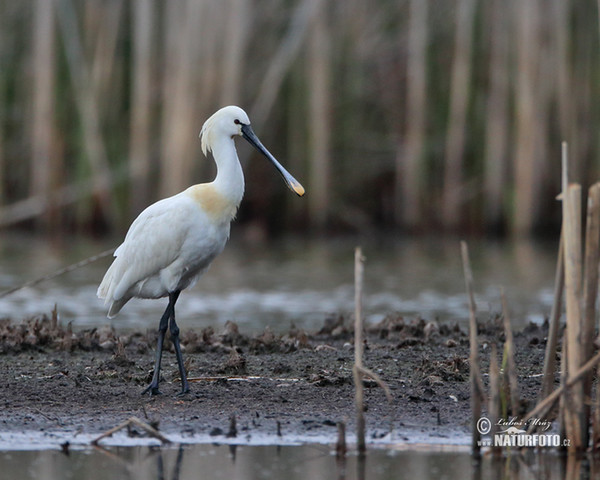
(206, 139)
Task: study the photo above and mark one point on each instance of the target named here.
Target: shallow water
(315, 462)
(300, 281)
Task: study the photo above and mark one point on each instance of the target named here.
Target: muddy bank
(54, 379)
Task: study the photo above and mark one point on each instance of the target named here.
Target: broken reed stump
(509, 350)
(590, 291)
(340, 446)
(475, 374)
(494, 399)
(552, 342)
(575, 421)
(358, 351)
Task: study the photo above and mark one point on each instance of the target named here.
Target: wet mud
(294, 384)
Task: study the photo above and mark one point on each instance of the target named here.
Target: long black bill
(293, 184)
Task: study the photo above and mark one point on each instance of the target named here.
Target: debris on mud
(89, 380)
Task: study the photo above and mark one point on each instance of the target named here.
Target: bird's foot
(153, 389)
(184, 391)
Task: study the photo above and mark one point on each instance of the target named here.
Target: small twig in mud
(232, 433)
(51, 418)
(365, 372)
(510, 357)
(477, 392)
(358, 351)
(54, 318)
(340, 446)
(137, 422)
(65, 448)
(369, 373)
(237, 378)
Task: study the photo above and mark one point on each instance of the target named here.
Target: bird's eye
(236, 121)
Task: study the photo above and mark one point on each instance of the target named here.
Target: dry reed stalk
(179, 128)
(509, 348)
(494, 399)
(44, 167)
(3, 161)
(497, 120)
(574, 468)
(453, 190)
(66, 195)
(238, 23)
(576, 427)
(552, 342)
(101, 70)
(141, 106)
(4, 36)
(289, 48)
(475, 374)
(544, 110)
(596, 418)
(408, 161)
(590, 290)
(319, 121)
(526, 155)
(358, 350)
(592, 259)
(562, 68)
(88, 109)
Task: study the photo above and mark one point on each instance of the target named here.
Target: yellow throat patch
(212, 202)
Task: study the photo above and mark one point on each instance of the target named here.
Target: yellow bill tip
(299, 190)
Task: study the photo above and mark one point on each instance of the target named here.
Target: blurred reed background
(418, 114)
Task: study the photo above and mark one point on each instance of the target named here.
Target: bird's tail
(106, 292)
(116, 306)
(106, 286)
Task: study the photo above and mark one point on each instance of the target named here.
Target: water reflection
(316, 462)
(300, 281)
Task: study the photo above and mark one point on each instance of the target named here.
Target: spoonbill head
(231, 121)
(173, 241)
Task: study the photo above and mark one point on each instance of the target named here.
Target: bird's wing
(152, 243)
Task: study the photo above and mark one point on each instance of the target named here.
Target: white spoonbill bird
(173, 241)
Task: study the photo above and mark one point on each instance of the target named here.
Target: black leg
(175, 339)
(162, 329)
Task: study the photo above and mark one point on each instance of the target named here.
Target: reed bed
(418, 114)
(576, 279)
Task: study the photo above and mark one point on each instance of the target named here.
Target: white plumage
(168, 246)
(173, 241)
